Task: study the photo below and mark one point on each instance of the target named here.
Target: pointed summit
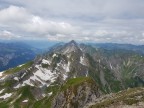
(71, 46)
(72, 43)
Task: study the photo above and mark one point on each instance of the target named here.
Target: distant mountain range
(76, 75)
(13, 54)
(114, 46)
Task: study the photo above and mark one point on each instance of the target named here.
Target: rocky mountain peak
(67, 48)
(72, 46)
(72, 42)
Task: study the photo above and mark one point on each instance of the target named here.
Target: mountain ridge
(53, 75)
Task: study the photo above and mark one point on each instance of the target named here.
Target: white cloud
(7, 35)
(42, 26)
(14, 14)
(89, 20)
(20, 19)
(87, 8)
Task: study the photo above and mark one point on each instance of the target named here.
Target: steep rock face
(77, 95)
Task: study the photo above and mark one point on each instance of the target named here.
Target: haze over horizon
(106, 21)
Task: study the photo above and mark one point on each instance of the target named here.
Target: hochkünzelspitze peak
(72, 46)
(72, 43)
(67, 48)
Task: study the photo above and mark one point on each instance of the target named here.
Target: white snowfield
(44, 76)
(41, 75)
(7, 95)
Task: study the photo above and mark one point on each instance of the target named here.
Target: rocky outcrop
(130, 98)
(76, 96)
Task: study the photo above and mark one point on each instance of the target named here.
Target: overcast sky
(120, 21)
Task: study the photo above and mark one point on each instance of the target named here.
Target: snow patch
(7, 95)
(30, 68)
(3, 77)
(68, 56)
(1, 91)
(111, 66)
(16, 78)
(21, 65)
(82, 60)
(81, 49)
(23, 75)
(54, 55)
(65, 76)
(27, 82)
(43, 95)
(50, 93)
(1, 73)
(59, 64)
(74, 76)
(66, 67)
(25, 101)
(87, 74)
(44, 61)
(18, 86)
(99, 60)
